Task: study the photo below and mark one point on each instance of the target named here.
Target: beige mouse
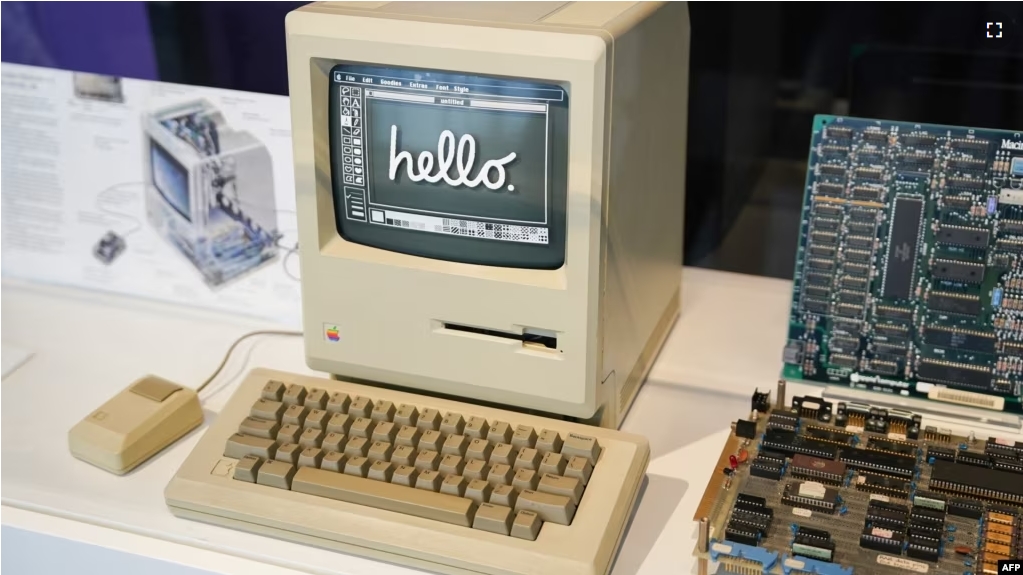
(134, 425)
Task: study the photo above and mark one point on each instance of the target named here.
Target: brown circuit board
(834, 488)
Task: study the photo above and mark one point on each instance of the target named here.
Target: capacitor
(743, 455)
(951, 528)
(843, 510)
(963, 550)
(733, 462)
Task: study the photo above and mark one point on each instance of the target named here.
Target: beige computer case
(625, 67)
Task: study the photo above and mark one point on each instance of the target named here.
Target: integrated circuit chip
(958, 271)
(963, 236)
(979, 482)
(969, 340)
(961, 374)
(956, 303)
(903, 243)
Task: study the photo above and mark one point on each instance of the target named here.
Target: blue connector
(765, 558)
(996, 297)
(930, 461)
(813, 566)
(963, 447)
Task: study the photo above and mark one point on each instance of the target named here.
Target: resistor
(963, 550)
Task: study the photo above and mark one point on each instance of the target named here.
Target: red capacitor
(733, 461)
(743, 455)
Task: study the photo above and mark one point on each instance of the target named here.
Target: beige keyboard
(441, 485)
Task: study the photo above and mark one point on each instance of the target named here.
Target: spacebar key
(397, 498)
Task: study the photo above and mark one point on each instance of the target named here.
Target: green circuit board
(909, 271)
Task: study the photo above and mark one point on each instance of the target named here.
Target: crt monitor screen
(461, 168)
(170, 179)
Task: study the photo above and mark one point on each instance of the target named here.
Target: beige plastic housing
(135, 424)
(625, 67)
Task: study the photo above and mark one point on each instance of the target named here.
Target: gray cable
(227, 355)
(136, 222)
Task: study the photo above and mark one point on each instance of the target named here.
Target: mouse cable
(227, 355)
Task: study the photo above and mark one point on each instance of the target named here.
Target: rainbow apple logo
(332, 333)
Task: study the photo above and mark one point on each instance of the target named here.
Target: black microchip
(832, 169)
(745, 429)
(965, 507)
(850, 282)
(958, 374)
(875, 135)
(979, 481)
(883, 367)
(958, 203)
(958, 271)
(863, 215)
(850, 326)
(826, 252)
(860, 256)
(833, 190)
(974, 459)
(891, 330)
(849, 310)
(1011, 246)
(754, 508)
(924, 540)
(826, 224)
(941, 453)
(882, 484)
(916, 160)
(965, 184)
(767, 470)
(968, 164)
(1004, 446)
(815, 305)
(844, 344)
(880, 539)
(900, 261)
(822, 265)
(842, 360)
(819, 292)
(855, 298)
(865, 229)
(867, 193)
(919, 140)
(824, 238)
(931, 554)
(927, 516)
(878, 461)
(890, 348)
(740, 534)
(889, 312)
(852, 269)
(755, 500)
(893, 446)
(971, 144)
(812, 547)
(963, 236)
(862, 242)
(814, 533)
(838, 132)
(1010, 465)
(818, 279)
(958, 339)
(960, 304)
(789, 443)
(1011, 226)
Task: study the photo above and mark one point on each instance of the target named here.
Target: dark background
(758, 74)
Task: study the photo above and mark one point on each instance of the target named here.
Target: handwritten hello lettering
(464, 161)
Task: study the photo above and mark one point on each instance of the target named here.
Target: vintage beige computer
(490, 205)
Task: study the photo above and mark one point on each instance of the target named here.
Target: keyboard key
(478, 490)
(382, 410)
(528, 458)
(338, 402)
(267, 409)
(317, 399)
(500, 432)
(554, 508)
(526, 526)
(503, 453)
(525, 479)
(427, 460)
(247, 468)
(455, 445)
(390, 497)
(451, 465)
(385, 431)
(429, 480)
(311, 437)
(273, 390)
(289, 453)
(582, 446)
(333, 442)
(276, 474)
(548, 442)
(317, 418)
(407, 435)
(289, 434)
(380, 451)
(259, 428)
(568, 486)
(579, 468)
(429, 419)
(340, 423)
(493, 518)
(475, 469)
(381, 471)
(479, 449)
(452, 424)
(360, 407)
(334, 461)
(406, 415)
(553, 463)
(524, 436)
(357, 466)
(405, 475)
(310, 457)
(500, 474)
(404, 455)
(504, 495)
(362, 427)
(238, 446)
(453, 485)
(476, 427)
(295, 414)
(294, 395)
(431, 440)
(357, 446)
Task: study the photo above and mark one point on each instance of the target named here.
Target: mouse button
(154, 388)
